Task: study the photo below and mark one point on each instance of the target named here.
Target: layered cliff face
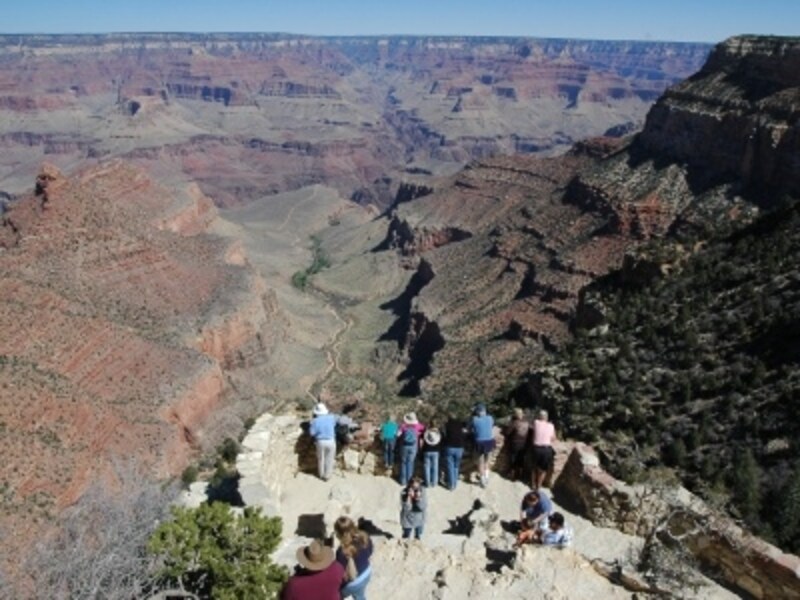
(121, 323)
(716, 150)
(246, 115)
(736, 121)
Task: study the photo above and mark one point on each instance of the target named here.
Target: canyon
(464, 193)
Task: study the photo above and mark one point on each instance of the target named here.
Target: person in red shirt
(317, 576)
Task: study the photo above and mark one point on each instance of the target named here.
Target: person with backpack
(431, 447)
(409, 438)
(345, 426)
(483, 433)
(455, 432)
(354, 552)
(389, 431)
(323, 430)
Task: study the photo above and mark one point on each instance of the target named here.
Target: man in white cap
(323, 430)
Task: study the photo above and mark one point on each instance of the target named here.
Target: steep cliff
(119, 335)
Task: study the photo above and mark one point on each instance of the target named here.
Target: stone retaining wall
(745, 561)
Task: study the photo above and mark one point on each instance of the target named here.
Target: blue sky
(681, 20)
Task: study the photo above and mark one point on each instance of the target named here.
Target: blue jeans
(452, 457)
(358, 586)
(417, 532)
(388, 452)
(431, 460)
(408, 454)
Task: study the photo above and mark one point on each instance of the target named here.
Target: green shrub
(189, 475)
(211, 552)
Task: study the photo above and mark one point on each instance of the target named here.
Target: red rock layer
(118, 322)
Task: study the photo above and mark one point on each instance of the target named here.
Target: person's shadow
(372, 529)
(461, 525)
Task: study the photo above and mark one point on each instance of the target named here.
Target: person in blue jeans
(354, 552)
(453, 442)
(389, 440)
(431, 447)
(408, 440)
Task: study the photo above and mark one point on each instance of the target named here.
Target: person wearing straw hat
(409, 440)
(323, 430)
(317, 575)
(431, 447)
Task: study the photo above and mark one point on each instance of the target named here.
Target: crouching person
(534, 515)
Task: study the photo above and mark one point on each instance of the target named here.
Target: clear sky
(680, 20)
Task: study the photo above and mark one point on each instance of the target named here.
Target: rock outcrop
(467, 547)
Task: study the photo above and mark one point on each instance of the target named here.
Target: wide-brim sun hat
(432, 437)
(316, 556)
(320, 409)
(410, 418)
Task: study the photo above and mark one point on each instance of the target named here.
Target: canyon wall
(246, 115)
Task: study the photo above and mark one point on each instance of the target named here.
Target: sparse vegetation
(320, 261)
(699, 370)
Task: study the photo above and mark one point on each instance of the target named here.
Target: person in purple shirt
(317, 576)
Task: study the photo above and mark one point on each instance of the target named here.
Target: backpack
(409, 437)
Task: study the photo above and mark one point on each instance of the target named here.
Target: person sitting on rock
(557, 532)
(317, 574)
(323, 430)
(534, 514)
(413, 508)
(354, 552)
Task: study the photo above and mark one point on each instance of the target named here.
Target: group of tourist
(322, 573)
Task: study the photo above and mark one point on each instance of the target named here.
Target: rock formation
(122, 323)
(247, 115)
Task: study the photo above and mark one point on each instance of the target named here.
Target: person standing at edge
(432, 446)
(482, 430)
(517, 434)
(454, 433)
(323, 430)
(409, 439)
(544, 435)
(389, 440)
(317, 576)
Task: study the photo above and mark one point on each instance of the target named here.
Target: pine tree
(746, 485)
(213, 553)
(788, 521)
